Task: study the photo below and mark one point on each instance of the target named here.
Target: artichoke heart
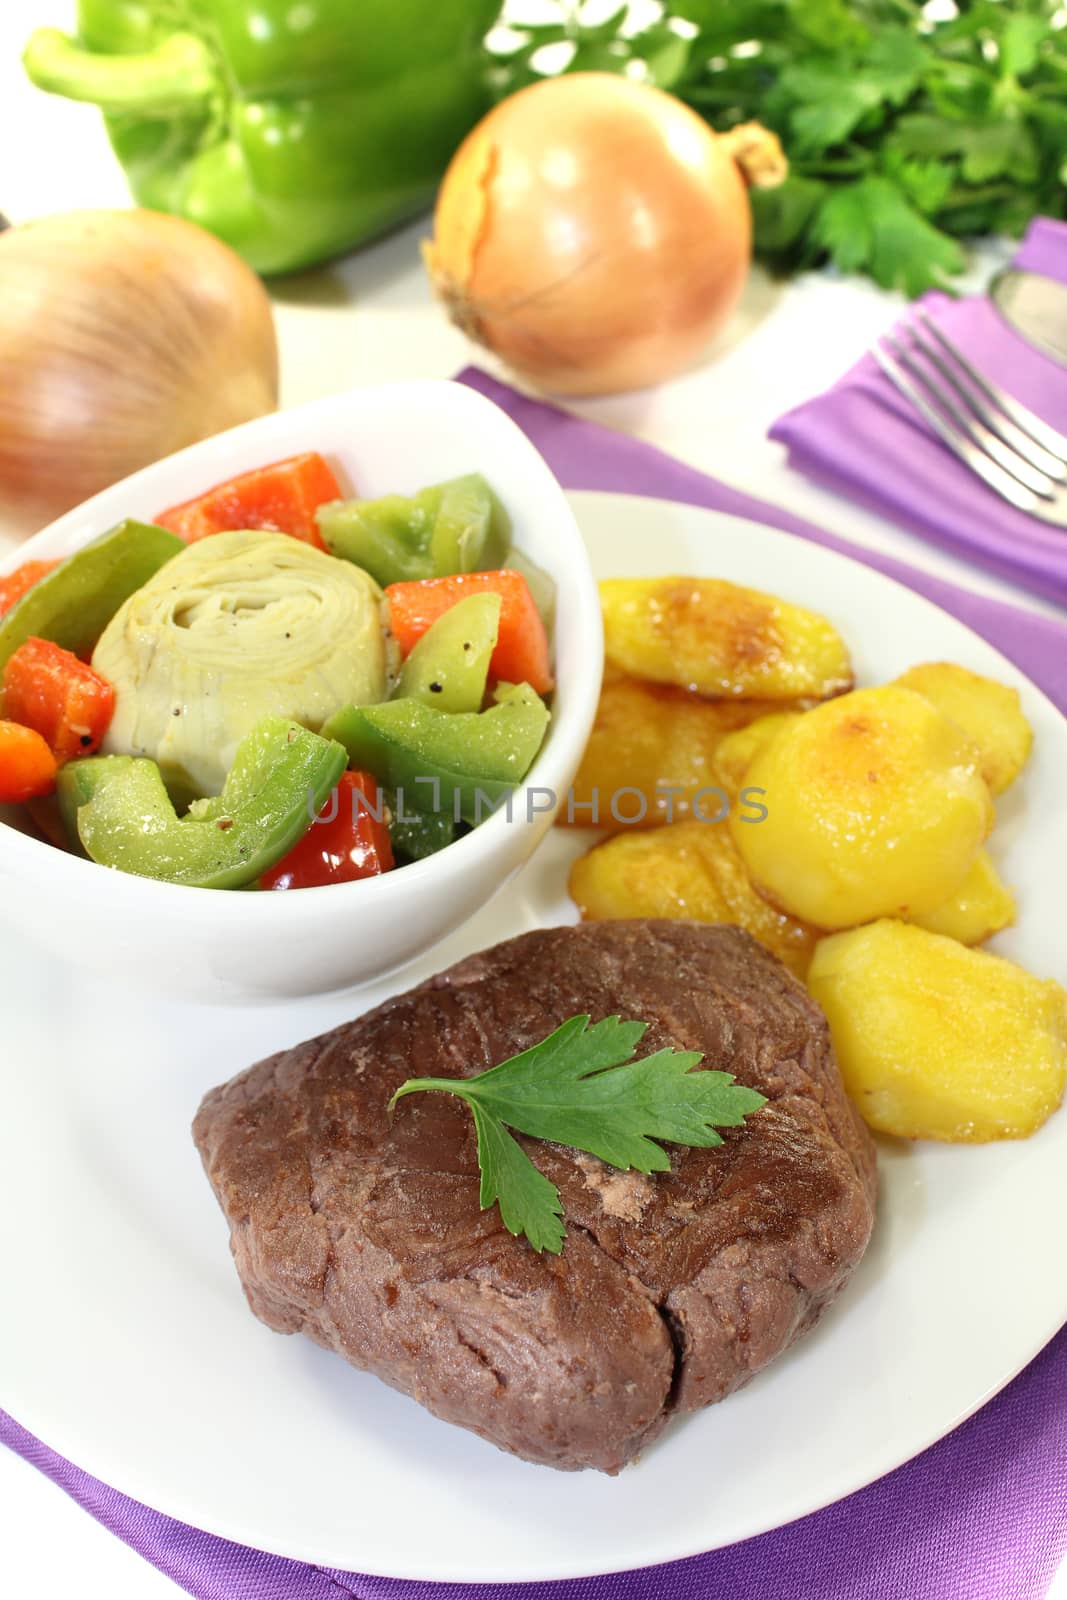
(238, 627)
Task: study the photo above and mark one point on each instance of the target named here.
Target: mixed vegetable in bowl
(271, 686)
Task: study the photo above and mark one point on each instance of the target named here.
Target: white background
(363, 320)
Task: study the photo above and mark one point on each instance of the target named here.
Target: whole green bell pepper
(293, 131)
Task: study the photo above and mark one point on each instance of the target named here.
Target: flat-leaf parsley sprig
(583, 1088)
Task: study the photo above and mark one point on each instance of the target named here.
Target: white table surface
(370, 318)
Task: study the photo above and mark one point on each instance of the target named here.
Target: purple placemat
(980, 1516)
(863, 439)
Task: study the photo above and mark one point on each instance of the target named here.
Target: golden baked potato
(736, 751)
(690, 869)
(936, 1041)
(988, 712)
(981, 906)
(875, 808)
(659, 741)
(721, 640)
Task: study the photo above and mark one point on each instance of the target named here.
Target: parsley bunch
(905, 133)
(581, 1087)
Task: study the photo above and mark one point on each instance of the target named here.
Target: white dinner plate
(126, 1343)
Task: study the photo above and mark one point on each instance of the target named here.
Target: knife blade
(1036, 307)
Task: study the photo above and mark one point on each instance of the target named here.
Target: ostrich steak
(364, 1230)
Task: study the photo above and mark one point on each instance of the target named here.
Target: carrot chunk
(27, 766)
(283, 496)
(13, 585)
(521, 653)
(48, 689)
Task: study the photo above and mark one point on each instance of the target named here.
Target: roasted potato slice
(650, 755)
(988, 712)
(980, 907)
(875, 808)
(721, 640)
(936, 1041)
(692, 870)
(736, 752)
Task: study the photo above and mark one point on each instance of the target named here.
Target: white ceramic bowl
(210, 944)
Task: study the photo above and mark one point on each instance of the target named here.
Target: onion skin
(594, 233)
(124, 335)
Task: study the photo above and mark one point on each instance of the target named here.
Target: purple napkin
(980, 1516)
(863, 439)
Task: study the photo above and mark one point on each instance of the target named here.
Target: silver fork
(1017, 453)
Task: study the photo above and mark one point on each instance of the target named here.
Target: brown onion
(124, 335)
(595, 233)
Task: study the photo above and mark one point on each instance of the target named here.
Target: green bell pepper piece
(389, 538)
(76, 784)
(293, 131)
(471, 531)
(457, 526)
(449, 666)
(281, 777)
(415, 834)
(443, 762)
(73, 604)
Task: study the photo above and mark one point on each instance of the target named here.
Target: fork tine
(998, 423)
(980, 437)
(1041, 431)
(1002, 482)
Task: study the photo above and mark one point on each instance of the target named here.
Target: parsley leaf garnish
(583, 1088)
(871, 226)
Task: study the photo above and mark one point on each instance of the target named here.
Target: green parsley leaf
(724, 22)
(829, 23)
(1021, 41)
(994, 149)
(664, 52)
(582, 1088)
(895, 64)
(835, 96)
(926, 183)
(870, 226)
(926, 135)
(782, 216)
(829, 109)
(529, 1202)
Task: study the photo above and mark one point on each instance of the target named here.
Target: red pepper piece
(13, 585)
(349, 839)
(283, 496)
(48, 689)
